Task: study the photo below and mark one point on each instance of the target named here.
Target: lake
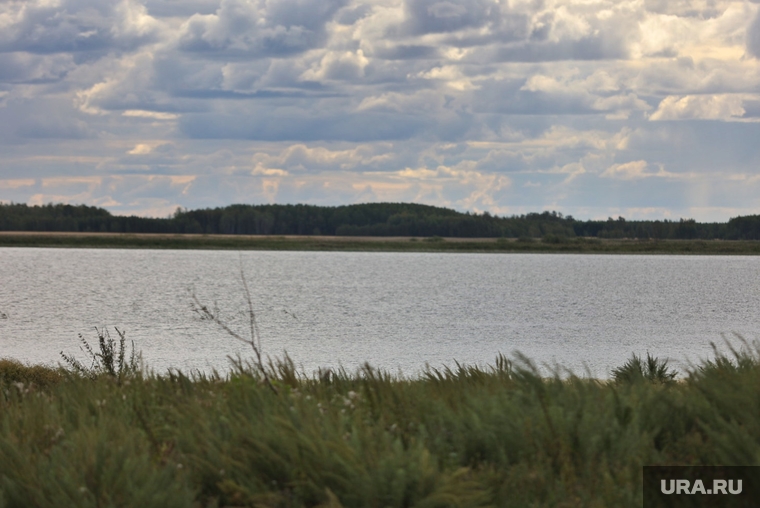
(397, 311)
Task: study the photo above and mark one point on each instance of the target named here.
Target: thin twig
(255, 335)
(254, 341)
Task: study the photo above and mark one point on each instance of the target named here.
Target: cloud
(435, 16)
(346, 65)
(257, 28)
(137, 86)
(477, 104)
(687, 8)
(599, 92)
(636, 170)
(294, 125)
(590, 48)
(700, 107)
(707, 32)
(39, 26)
(41, 119)
(147, 148)
(300, 158)
(153, 115)
(753, 36)
(27, 68)
(144, 195)
(16, 183)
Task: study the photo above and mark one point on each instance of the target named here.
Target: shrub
(635, 369)
(111, 359)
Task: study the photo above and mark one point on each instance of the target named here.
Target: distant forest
(371, 219)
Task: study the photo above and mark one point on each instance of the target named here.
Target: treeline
(371, 219)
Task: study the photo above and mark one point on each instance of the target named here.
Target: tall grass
(463, 436)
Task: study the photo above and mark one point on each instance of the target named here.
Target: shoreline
(579, 245)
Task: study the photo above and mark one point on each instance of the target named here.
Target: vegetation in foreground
(496, 436)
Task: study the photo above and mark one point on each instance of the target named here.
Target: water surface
(394, 310)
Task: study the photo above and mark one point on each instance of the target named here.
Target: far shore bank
(376, 243)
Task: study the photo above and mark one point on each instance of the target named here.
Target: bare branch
(255, 336)
(205, 313)
(255, 339)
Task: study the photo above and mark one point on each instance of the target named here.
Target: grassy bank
(500, 436)
(547, 244)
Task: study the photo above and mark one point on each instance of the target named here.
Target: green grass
(467, 437)
(548, 244)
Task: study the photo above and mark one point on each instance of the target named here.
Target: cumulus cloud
(39, 26)
(598, 92)
(700, 107)
(346, 65)
(259, 28)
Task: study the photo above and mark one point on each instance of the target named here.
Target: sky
(646, 109)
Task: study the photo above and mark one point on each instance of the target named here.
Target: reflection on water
(395, 310)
